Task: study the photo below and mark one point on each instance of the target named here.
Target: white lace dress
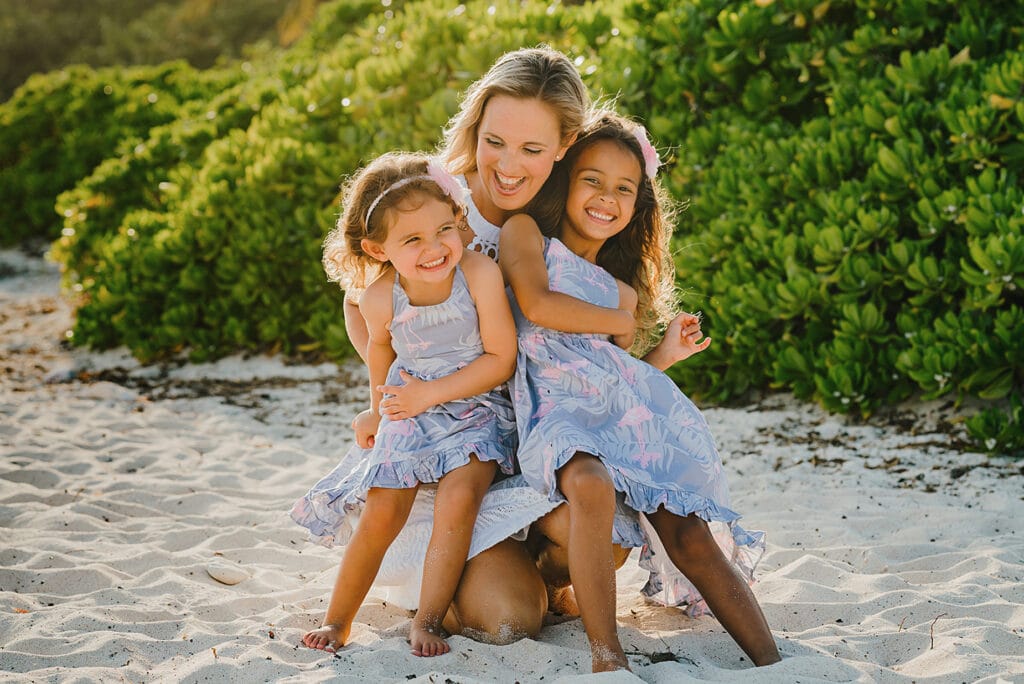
(485, 234)
(508, 509)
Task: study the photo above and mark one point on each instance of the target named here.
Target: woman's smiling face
(518, 142)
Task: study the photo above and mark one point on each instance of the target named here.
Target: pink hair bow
(651, 160)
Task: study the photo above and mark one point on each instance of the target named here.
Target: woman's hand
(365, 425)
(408, 400)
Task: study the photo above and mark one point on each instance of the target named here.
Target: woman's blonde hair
(393, 182)
(540, 73)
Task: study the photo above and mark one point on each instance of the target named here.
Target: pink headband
(436, 173)
(651, 161)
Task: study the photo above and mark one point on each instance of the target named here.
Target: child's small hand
(624, 341)
(406, 401)
(683, 337)
(690, 334)
(365, 425)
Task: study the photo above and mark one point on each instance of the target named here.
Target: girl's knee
(456, 507)
(585, 481)
(695, 530)
(386, 511)
(382, 522)
(461, 490)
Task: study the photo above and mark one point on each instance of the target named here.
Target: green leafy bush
(229, 256)
(852, 169)
(154, 175)
(57, 127)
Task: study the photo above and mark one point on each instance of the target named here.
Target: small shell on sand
(226, 573)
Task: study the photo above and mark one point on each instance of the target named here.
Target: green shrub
(57, 127)
(231, 260)
(855, 226)
(154, 175)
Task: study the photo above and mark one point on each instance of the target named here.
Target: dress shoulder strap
(398, 297)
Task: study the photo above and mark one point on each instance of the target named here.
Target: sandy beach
(894, 553)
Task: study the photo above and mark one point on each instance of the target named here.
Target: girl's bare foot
(426, 642)
(606, 659)
(327, 638)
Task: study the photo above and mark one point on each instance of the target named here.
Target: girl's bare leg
(501, 596)
(384, 514)
(459, 494)
(693, 550)
(586, 484)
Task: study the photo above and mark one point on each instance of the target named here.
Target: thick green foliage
(856, 207)
(57, 127)
(852, 170)
(154, 175)
(226, 254)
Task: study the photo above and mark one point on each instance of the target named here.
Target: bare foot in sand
(327, 638)
(426, 642)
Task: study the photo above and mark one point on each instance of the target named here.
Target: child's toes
(321, 639)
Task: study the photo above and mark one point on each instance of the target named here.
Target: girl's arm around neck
(627, 302)
(522, 261)
(493, 367)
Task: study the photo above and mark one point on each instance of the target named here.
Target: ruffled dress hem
(329, 511)
(402, 471)
(665, 584)
(642, 497)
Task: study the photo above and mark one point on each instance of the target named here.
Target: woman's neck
(482, 202)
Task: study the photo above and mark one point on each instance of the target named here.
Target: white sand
(891, 557)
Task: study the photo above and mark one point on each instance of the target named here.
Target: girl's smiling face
(423, 242)
(603, 186)
(518, 142)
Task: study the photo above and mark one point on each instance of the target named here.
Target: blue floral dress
(582, 393)
(430, 342)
